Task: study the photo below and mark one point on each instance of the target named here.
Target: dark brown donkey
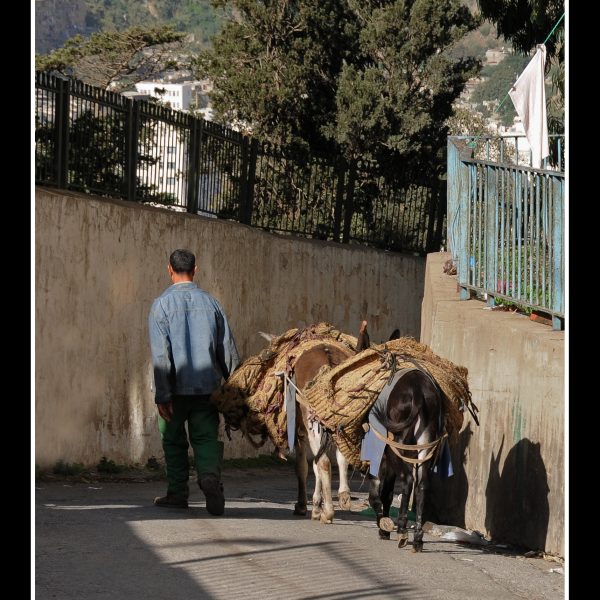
(414, 416)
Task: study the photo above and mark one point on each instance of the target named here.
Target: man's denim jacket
(192, 345)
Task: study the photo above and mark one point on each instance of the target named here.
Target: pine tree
(359, 78)
(115, 59)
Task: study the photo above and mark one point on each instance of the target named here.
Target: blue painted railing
(506, 229)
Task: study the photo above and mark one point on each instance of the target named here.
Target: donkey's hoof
(402, 539)
(384, 535)
(345, 501)
(386, 524)
(325, 520)
(300, 509)
(417, 547)
(315, 515)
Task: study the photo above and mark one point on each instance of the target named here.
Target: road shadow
(111, 542)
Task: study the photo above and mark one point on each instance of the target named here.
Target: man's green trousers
(203, 427)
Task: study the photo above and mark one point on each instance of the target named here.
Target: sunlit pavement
(107, 540)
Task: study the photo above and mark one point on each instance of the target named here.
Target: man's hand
(165, 410)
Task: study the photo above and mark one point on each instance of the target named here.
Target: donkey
(414, 418)
(311, 440)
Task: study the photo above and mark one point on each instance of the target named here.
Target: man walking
(192, 350)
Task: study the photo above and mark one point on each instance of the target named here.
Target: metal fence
(506, 230)
(99, 142)
(510, 149)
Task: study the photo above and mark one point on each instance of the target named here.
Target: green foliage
(526, 23)
(367, 79)
(464, 121)
(275, 64)
(115, 58)
(65, 468)
(499, 79)
(393, 103)
(513, 306)
(197, 17)
(97, 156)
(487, 145)
(109, 466)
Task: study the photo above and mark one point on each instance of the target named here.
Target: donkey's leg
(406, 483)
(387, 495)
(301, 474)
(324, 467)
(314, 441)
(322, 499)
(421, 486)
(375, 495)
(344, 489)
(317, 499)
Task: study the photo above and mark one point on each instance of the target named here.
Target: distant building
(514, 136)
(493, 57)
(179, 96)
(169, 145)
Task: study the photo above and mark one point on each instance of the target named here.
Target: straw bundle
(342, 396)
(252, 398)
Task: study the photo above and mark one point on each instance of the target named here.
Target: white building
(493, 57)
(514, 136)
(168, 174)
(178, 96)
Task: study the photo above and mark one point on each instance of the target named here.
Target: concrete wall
(509, 480)
(99, 265)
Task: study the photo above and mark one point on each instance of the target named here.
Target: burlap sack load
(342, 396)
(252, 398)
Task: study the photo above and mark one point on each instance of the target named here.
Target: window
(170, 149)
(171, 165)
(171, 180)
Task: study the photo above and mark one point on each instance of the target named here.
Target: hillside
(58, 20)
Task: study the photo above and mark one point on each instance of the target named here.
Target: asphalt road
(106, 540)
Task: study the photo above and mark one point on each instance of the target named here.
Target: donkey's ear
(362, 341)
(395, 335)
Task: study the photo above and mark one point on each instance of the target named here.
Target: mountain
(58, 20)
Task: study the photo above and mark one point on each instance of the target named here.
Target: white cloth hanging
(529, 97)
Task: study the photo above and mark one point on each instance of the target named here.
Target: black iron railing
(99, 142)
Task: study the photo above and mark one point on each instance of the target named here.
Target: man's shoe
(215, 499)
(171, 501)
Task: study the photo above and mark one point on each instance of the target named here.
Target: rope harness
(397, 446)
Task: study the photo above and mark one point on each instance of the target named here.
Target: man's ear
(195, 269)
(170, 269)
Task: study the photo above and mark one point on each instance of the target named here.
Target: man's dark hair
(182, 261)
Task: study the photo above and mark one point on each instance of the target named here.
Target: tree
(275, 64)
(115, 59)
(487, 145)
(392, 104)
(191, 16)
(499, 79)
(527, 23)
(362, 78)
